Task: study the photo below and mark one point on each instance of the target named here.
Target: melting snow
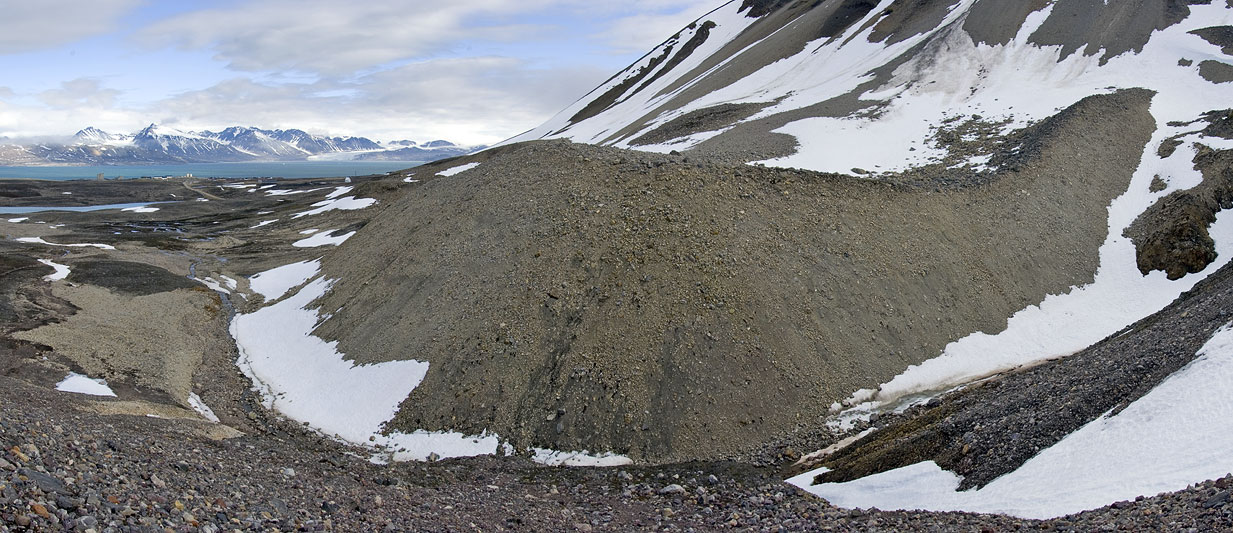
(80, 384)
(140, 209)
(347, 203)
(583, 458)
(213, 284)
(322, 239)
(458, 169)
(287, 192)
(19, 219)
(274, 283)
(62, 271)
(39, 240)
(308, 380)
(1179, 433)
(264, 223)
(202, 409)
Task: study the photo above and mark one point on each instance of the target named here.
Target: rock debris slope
(922, 171)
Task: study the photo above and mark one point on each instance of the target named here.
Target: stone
(1217, 500)
(45, 482)
(672, 489)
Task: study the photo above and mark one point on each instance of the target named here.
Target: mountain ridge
(158, 143)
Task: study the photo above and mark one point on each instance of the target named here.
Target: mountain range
(162, 144)
(966, 259)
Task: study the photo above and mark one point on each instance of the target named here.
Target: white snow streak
(322, 239)
(457, 170)
(202, 409)
(39, 240)
(347, 203)
(62, 271)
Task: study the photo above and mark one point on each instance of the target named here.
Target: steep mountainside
(833, 209)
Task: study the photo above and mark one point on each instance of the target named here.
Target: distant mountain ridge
(163, 144)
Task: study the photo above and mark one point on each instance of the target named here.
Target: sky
(469, 71)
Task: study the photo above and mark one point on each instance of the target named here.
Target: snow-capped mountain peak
(92, 135)
(159, 143)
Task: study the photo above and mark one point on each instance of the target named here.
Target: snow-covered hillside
(881, 88)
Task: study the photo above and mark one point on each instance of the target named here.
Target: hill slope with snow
(940, 191)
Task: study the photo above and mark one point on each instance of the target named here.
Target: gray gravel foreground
(65, 469)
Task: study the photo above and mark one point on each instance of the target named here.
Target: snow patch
(322, 239)
(583, 458)
(202, 409)
(1178, 434)
(308, 380)
(213, 284)
(338, 191)
(19, 219)
(140, 209)
(274, 283)
(80, 384)
(39, 240)
(62, 271)
(346, 203)
(458, 169)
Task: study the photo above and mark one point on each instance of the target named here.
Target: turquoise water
(283, 169)
(78, 209)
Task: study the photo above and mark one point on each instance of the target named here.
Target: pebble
(40, 510)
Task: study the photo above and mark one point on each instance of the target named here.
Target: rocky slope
(578, 298)
(142, 461)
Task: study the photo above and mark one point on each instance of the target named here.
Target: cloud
(476, 71)
(335, 38)
(471, 100)
(640, 25)
(33, 25)
(81, 92)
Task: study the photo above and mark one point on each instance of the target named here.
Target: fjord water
(269, 169)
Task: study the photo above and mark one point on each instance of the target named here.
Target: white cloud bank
(473, 72)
